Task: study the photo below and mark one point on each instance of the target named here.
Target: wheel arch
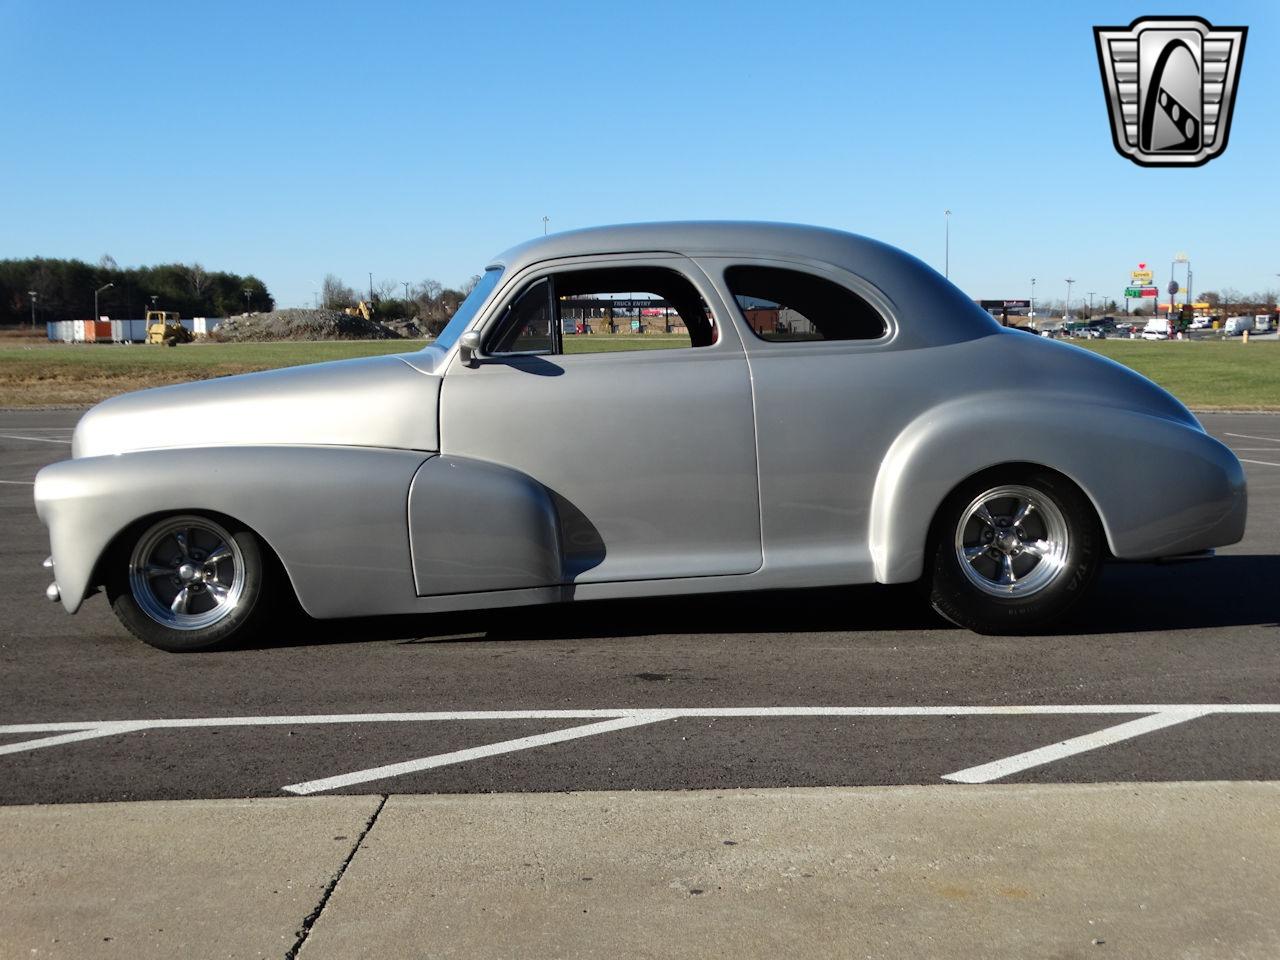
(1010, 471)
(118, 547)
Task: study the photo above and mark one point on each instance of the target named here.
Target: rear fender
(1160, 487)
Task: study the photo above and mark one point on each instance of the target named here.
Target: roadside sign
(1173, 287)
(1141, 276)
(1140, 293)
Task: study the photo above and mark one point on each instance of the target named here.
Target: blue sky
(415, 140)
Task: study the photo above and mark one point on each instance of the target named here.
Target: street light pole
(95, 298)
(946, 265)
(545, 221)
(1066, 309)
(1033, 298)
(247, 294)
(32, 295)
(405, 284)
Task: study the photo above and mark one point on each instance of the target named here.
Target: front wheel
(1013, 552)
(189, 582)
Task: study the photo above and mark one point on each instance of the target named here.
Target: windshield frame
(469, 308)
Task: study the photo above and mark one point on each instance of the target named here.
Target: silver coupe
(826, 409)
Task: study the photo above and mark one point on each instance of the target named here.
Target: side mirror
(468, 347)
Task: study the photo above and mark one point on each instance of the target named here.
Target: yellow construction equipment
(364, 308)
(165, 326)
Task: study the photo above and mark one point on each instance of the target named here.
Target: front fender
(335, 516)
(1161, 487)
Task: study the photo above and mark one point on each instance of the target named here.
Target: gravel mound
(296, 324)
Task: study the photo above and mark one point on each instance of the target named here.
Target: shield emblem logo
(1170, 85)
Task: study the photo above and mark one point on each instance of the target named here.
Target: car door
(831, 395)
(649, 454)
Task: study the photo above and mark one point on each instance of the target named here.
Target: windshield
(467, 310)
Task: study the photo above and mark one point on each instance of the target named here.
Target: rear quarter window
(787, 306)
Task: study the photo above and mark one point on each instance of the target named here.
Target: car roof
(930, 309)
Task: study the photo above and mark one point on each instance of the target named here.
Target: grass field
(33, 372)
(1205, 374)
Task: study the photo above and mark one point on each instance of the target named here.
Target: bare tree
(199, 279)
(336, 293)
(108, 262)
(471, 283)
(386, 289)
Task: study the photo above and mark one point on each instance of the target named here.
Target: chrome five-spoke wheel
(187, 573)
(1012, 541)
(1015, 547)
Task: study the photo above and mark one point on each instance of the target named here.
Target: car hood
(370, 402)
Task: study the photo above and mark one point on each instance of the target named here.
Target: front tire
(189, 582)
(1012, 551)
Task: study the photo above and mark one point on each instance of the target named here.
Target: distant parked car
(893, 432)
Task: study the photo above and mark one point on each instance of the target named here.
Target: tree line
(64, 289)
(429, 303)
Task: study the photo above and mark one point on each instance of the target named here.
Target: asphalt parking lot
(1169, 673)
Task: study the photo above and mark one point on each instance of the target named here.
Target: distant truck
(1262, 322)
(1157, 328)
(1237, 325)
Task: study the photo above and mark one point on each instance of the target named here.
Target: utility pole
(247, 294)
(1066, 309)
(545, 221)
(405, 284)
(1090, 304)
(371, 286)
(946, 267)
(32, 295)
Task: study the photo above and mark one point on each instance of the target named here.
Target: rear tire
(189, 582)
(1012, 551)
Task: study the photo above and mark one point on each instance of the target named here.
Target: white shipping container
(203, 326)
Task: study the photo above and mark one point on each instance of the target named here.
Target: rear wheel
(189, 582)
(1013, 551)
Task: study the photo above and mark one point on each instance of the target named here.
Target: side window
(630, 308)
(783, 305)
(526, 325)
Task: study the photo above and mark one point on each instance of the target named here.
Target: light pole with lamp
(32, 295)
(106, 286)
(405, 284)
(1066, 308)
(247, 294)
(1033, 298)
(545, 221)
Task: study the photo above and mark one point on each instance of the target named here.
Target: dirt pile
(297, 324)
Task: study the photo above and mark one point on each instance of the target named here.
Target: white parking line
(1150, 717)
(1248, 436)
(1261, 463)
(462, 756)
(14, 436)
(20, 483)
(1069, 748)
